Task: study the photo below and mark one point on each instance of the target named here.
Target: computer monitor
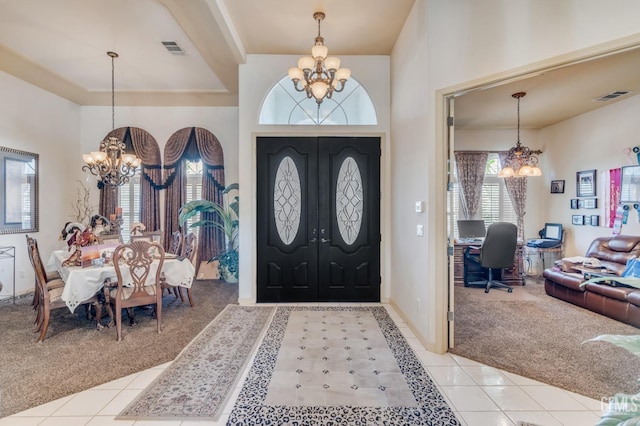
(553, 231)
(471, 229)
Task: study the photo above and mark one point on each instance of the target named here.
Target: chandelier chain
(113, 94)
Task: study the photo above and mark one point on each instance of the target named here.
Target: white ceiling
(61, 47)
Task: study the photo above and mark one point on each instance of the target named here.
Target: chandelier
(111, 165)
(318, 74)
(520, 161)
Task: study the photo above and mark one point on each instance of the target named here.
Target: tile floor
(478, 394)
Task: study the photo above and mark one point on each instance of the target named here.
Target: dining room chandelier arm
(318, 75)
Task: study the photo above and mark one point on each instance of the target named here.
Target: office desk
(510, 276)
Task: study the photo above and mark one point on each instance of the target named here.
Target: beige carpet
(540, 337)
(75, 356)
(335, 366)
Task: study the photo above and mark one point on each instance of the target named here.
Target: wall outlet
(420, 230)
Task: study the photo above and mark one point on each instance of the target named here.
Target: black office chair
(497, 252)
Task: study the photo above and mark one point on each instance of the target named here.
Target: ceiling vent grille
(173, 48)
(612, 95)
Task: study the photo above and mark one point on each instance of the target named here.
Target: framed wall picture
(577, 219)
(595, 220)
(574, 204)
(557, 187)
(586, 183)
(591, 203)
(630, 184)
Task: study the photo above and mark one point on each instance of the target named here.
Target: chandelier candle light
(111, 165)
(521, 161)
(318, 74)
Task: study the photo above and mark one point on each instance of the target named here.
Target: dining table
(82, 283)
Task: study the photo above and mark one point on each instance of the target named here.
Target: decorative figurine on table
(68, 233)
(138, 228)
(100, 224)
(82, 239)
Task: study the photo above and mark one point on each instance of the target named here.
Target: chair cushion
(55, 283)
(55, 294)
(52, 275)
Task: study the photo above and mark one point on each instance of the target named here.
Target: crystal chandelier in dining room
(318, 75)
(520, 161)
(111, 165)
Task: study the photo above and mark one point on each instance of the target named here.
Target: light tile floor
(478, 394)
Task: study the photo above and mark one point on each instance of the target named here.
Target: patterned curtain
(517, 190)
(146, 148)
(212, 240)
(194, 144)
(470, 167)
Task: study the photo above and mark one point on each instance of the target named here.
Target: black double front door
(318, 219)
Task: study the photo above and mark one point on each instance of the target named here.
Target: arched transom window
(284, 105)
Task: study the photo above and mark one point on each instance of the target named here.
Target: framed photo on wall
(577, 219)
(574, 204)
(586, 183)
(557, 187)
(595, 220)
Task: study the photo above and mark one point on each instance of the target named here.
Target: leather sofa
(616, 301)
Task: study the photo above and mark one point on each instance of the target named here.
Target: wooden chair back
(176, 243)
(190, 247)
(138, 283)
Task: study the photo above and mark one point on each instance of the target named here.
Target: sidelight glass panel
(349, 204)
(287, 200)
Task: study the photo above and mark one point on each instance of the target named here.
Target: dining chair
(154, 237)
(138, 284)
(52, 278)
(189, 249)
(176, 243)
(175, 248)
(50, 294)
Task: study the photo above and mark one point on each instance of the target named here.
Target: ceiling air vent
(612, 95)
(173, 48)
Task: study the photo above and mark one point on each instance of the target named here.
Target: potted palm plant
(225, 220)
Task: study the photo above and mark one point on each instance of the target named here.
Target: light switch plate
(419, 206)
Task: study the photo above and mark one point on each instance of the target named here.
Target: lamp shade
(343, 74)
(332, 63)
(319, 89)
(319, 51)
(525, 171)
(306, 63)
(88, 158)
(506, 172)
(296, 74)
(98, 156)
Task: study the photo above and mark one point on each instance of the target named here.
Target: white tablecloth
(81, 283)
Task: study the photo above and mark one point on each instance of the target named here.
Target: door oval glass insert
(349, 202)
(287, 200)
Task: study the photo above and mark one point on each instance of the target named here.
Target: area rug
(197, 383)
(337, 365)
